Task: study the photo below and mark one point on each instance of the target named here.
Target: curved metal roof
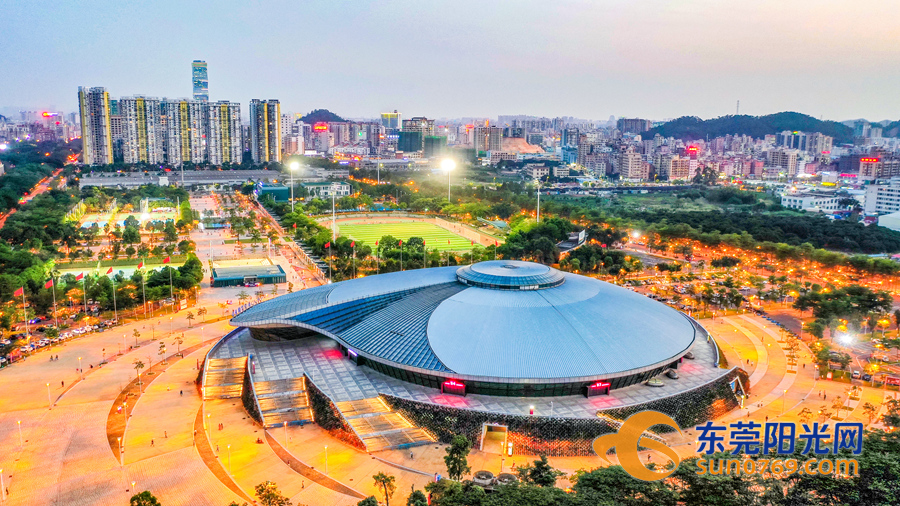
(429, 321)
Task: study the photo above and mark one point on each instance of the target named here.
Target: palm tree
(387, 483)
(190, 317)
(202, 313)
(162, 352)
(242, 297)
(138, 365)
(179, 341)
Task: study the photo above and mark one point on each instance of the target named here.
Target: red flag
(401, 242)
(496, 244)
(448, 241)
(603, 245)
(352, 244)
(473, 243)
(295, 225)
(109, 271)
(423, 242)
(167, 260)
(141, 265)
(328, 244)
(376, 243)
(48, 284)
(19, 292)
(80, 276)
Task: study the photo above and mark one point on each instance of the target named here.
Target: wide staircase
(379, 428)
(283, 401)
(224, 378)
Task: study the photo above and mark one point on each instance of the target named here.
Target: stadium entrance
(493, 438)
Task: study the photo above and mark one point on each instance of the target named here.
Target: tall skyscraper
(265, 130)
(93, 104)
(143, 134)
(224, 141)
(186, 131)
(200, 80)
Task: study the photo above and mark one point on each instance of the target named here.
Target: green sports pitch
(435, 236)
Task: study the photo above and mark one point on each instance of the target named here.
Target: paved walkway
(66, 458)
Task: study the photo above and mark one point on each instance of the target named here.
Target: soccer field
(435, 236)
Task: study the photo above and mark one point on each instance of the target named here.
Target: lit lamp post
(229, 459)
(49, 402)
(80, 370)
(21, 444)
(326, 460)
(294, 166)
(782, 400)
(448, 165)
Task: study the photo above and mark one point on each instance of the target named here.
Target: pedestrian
(767, 419)
(217, 448)
(181, 392)
(166, 434)
(62, 384)
(152, 444)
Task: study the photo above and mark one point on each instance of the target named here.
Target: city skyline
(578, 59)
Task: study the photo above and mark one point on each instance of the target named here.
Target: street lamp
(448, 165)
(21, 444)
(294, 166)
(229, 459)
(49, 402)
(326, 459)
(80, 370)
(782, 400)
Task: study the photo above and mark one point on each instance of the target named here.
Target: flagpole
(55, 313)
(84, 289)
(115, 306)
(330, 267)
(25, 312)
(144, 288)
(401, 256)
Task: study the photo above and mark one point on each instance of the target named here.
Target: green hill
(692, 127)
(322, 116)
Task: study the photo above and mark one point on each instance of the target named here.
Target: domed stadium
(504, 352)
(501, 327)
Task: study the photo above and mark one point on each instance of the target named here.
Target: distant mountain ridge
(692, 127)
(322, 116)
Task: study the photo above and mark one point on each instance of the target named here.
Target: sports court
(435, 236)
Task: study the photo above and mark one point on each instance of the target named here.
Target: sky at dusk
(589, 59)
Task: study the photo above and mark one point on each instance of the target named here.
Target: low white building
(327, 189)
(814, 202)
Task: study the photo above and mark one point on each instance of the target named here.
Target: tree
(179, 341)
(417, 498)
(202, 313)
(145, 498)
(540, 474)
(138, 365)
(368, 501)
(456, 459)
(242, 297)
(190, 317)
(268, 495)
(162, 351)
(136, 335)
(870, 410)
(387, 484)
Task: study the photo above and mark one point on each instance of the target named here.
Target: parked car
(867, 377)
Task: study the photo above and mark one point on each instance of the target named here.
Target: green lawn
(435, 236)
